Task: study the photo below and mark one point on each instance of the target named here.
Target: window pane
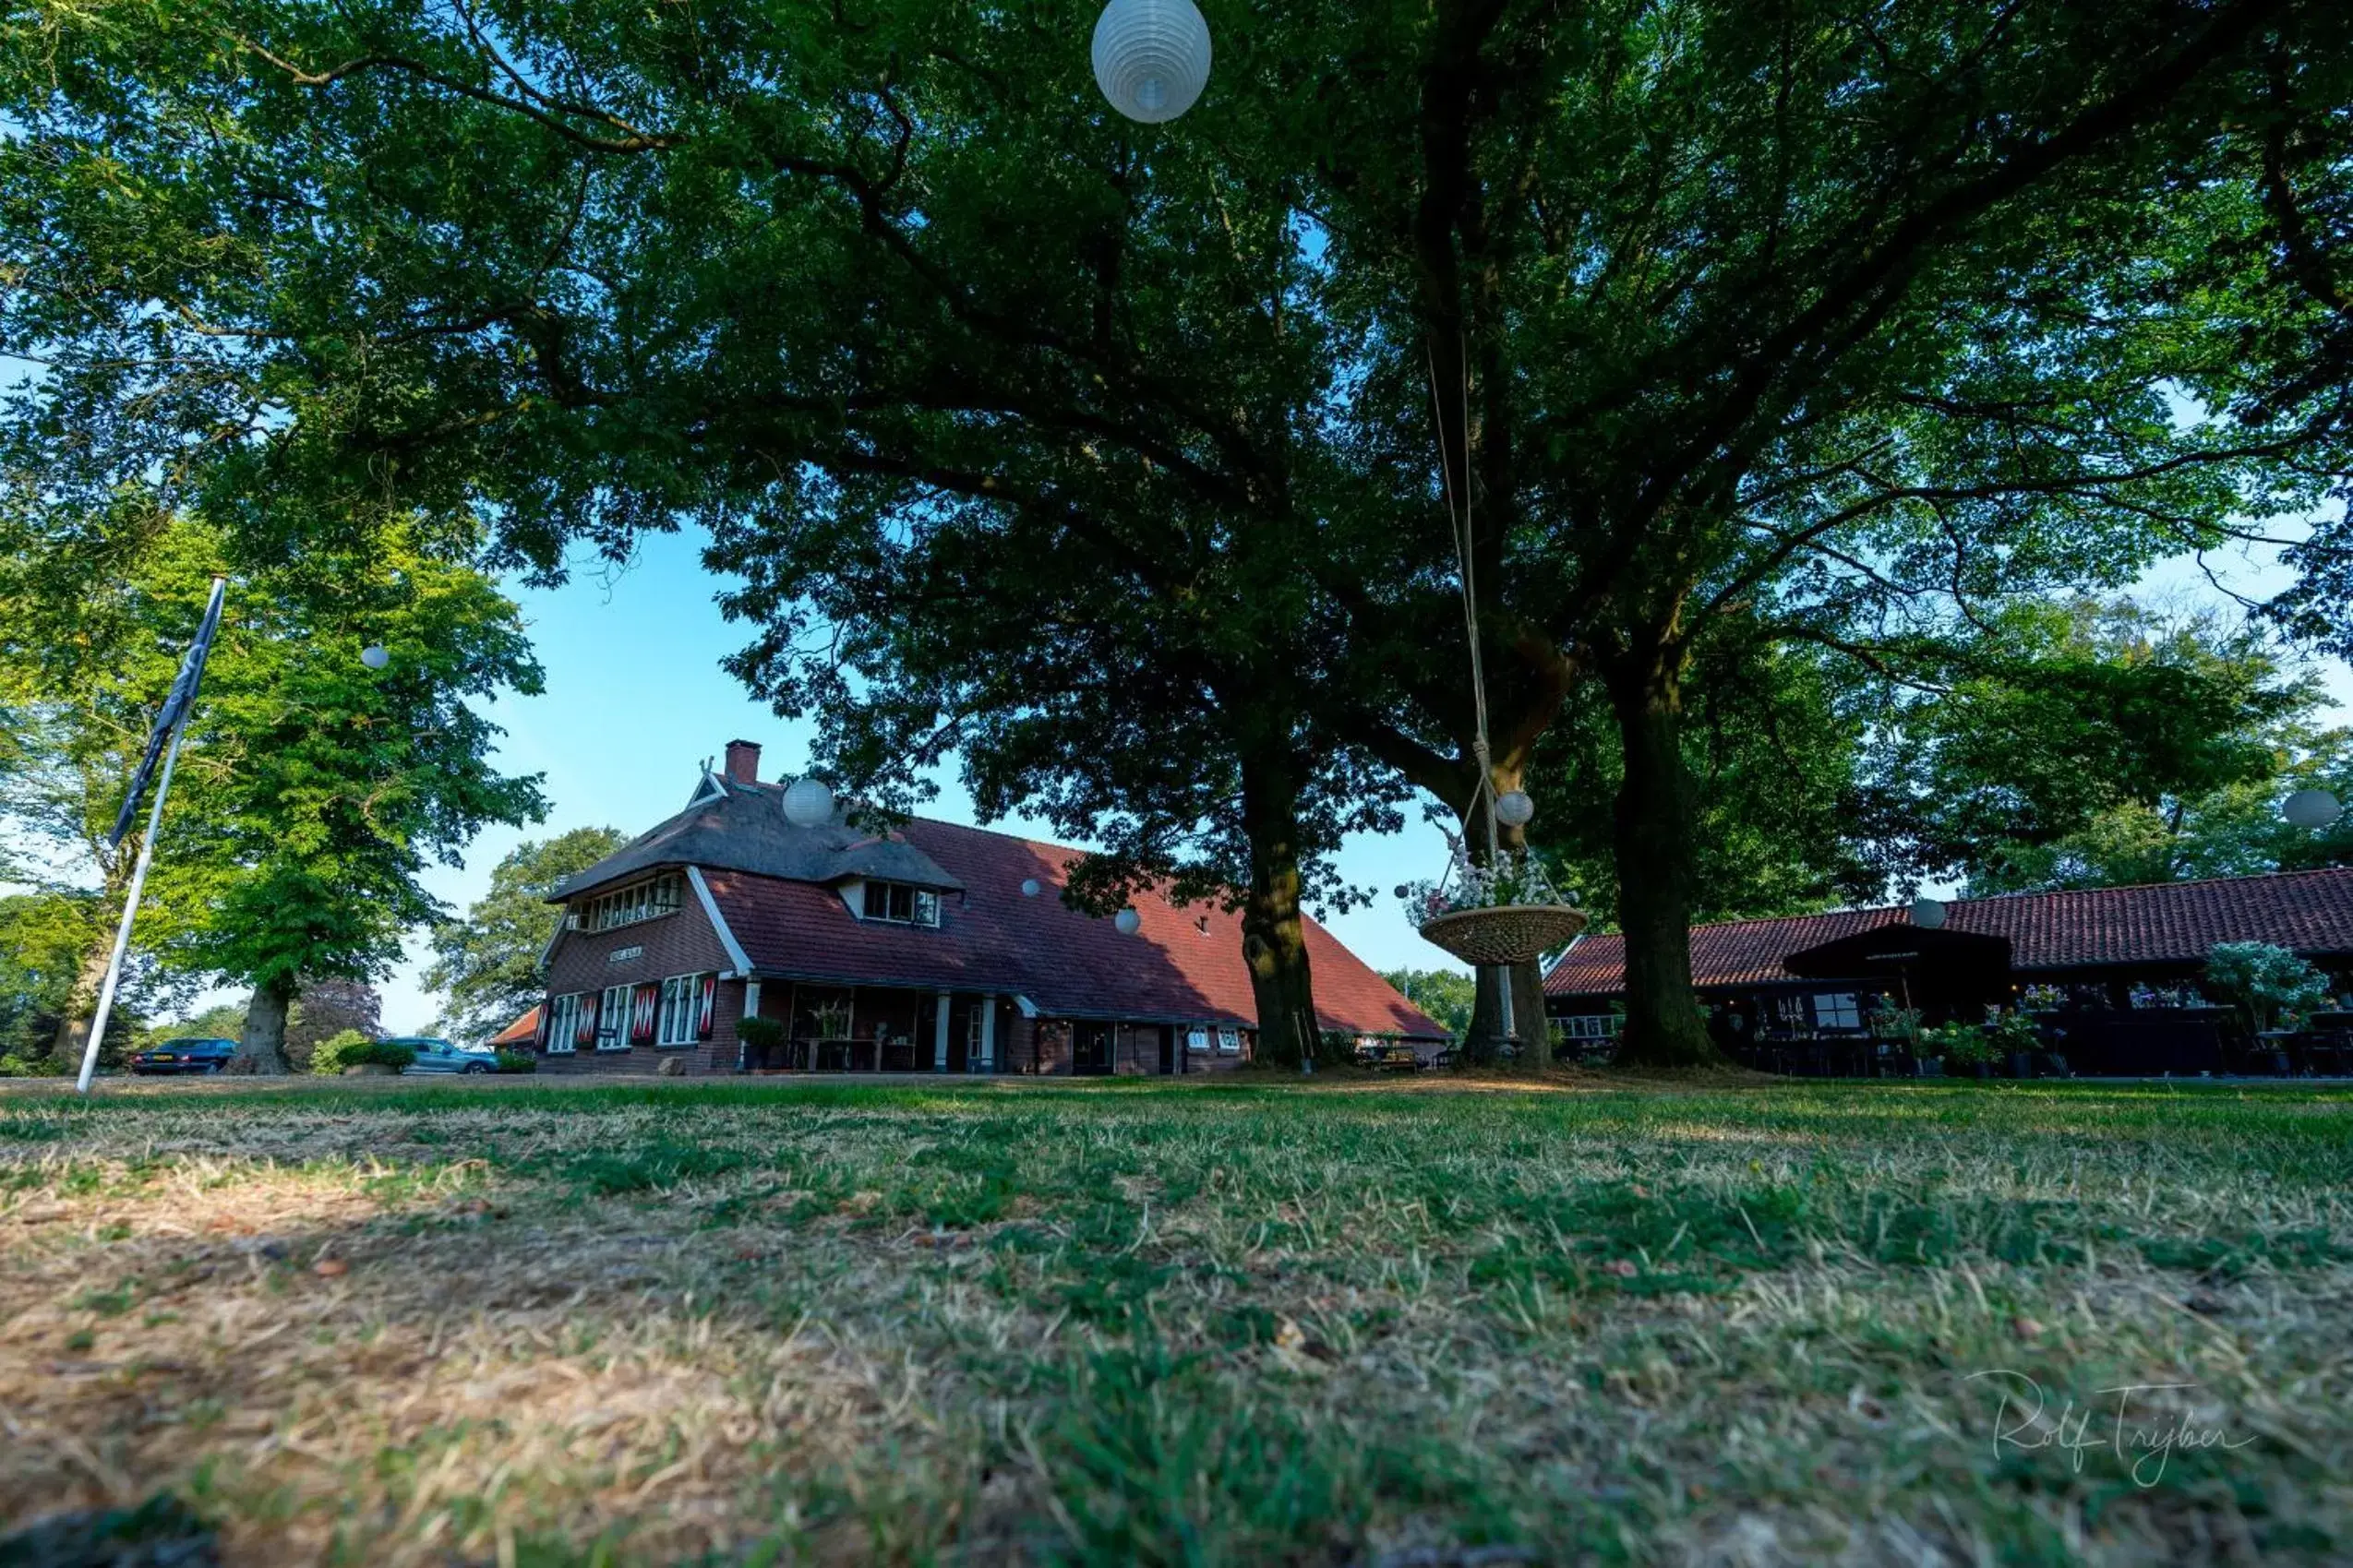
(927, 908)
(878, 901)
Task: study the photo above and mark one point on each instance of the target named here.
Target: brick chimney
(743, 762)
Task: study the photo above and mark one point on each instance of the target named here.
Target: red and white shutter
(706, 1006)
(591, 1004)
(643, 1007)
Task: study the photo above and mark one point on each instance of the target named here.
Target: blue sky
(636, 698)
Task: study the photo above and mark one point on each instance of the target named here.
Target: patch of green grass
(653, 1167)
(1239, 1322)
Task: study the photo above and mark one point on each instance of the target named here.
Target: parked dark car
(184, 1056)
(440, 1055)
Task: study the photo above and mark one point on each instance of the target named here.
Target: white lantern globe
(2311, 808)
(375, 657)
(1927, 914)
(1514, 810)
(1031, 887)
(809, 804)
(1129, 922)
(1152, 57)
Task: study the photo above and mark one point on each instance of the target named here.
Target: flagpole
(147, 848)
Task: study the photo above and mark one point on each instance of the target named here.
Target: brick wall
(682, 943)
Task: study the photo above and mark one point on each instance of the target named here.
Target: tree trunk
(1274, 932)
(1527, 1047)
(81, 1004)
(1653, 848)
(1530, 1036)
(263, 1049)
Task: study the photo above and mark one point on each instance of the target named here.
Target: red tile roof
(522, 1031)
(2311, 911)
(1183, 965)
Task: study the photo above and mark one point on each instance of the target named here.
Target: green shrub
(352, 1048)
(1960, 1045)
(761, 1033)
(2009, 1033)
(18, 1066)
(2269, 985)
(518, 1061)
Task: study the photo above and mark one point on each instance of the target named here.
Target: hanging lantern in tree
(2311, 810)
(374, 657)
(1927, 914)
(1032, 888)
(1151, 57)
(1514, 810)
(1129, 922)
(809, 804)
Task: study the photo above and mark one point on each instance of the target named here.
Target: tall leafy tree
(312, 790)
(486, 961)
(1790, 313)
(2103, 743)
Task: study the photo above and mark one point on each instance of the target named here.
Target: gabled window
(900, 903)
(648, 900)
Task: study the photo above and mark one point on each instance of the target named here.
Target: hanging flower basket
(1504, 934)
(1487, 916)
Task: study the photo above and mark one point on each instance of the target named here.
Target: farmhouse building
(2116, 970)
(931, 947)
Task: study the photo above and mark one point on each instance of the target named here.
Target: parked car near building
(440, 1055)
(182, 1057)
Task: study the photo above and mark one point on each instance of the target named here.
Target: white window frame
(1838, 1009)
(1228, 1040)
(678, 1020)
(563, 1022)
(1197, 1040)
(922, 904)
(617, 1015)
(1590, 1025)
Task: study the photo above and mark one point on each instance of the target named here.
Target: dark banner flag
(175, 708)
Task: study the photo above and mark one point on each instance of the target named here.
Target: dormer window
(901, 903)
(644, 900)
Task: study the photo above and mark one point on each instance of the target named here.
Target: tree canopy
(1836, 324)
(312, 790)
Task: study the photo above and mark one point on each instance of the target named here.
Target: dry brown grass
(477, 1325)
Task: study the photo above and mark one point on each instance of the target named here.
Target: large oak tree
(1827, 318)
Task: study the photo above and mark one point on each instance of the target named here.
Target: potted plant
(2015, 1036)
(1899, 1026)
(1964, 1048)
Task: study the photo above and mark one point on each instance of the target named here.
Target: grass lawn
(517, 1324)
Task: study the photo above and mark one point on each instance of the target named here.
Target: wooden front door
(1090, 1050)
(1168, 1050)
(960, 1032)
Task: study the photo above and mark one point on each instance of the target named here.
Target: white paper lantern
(1927, 914)
(1129, 922)
(809, 804)
(1514, 810)
(375, 658)
(1151, 57)
(1032, 888)
(2311, 808)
